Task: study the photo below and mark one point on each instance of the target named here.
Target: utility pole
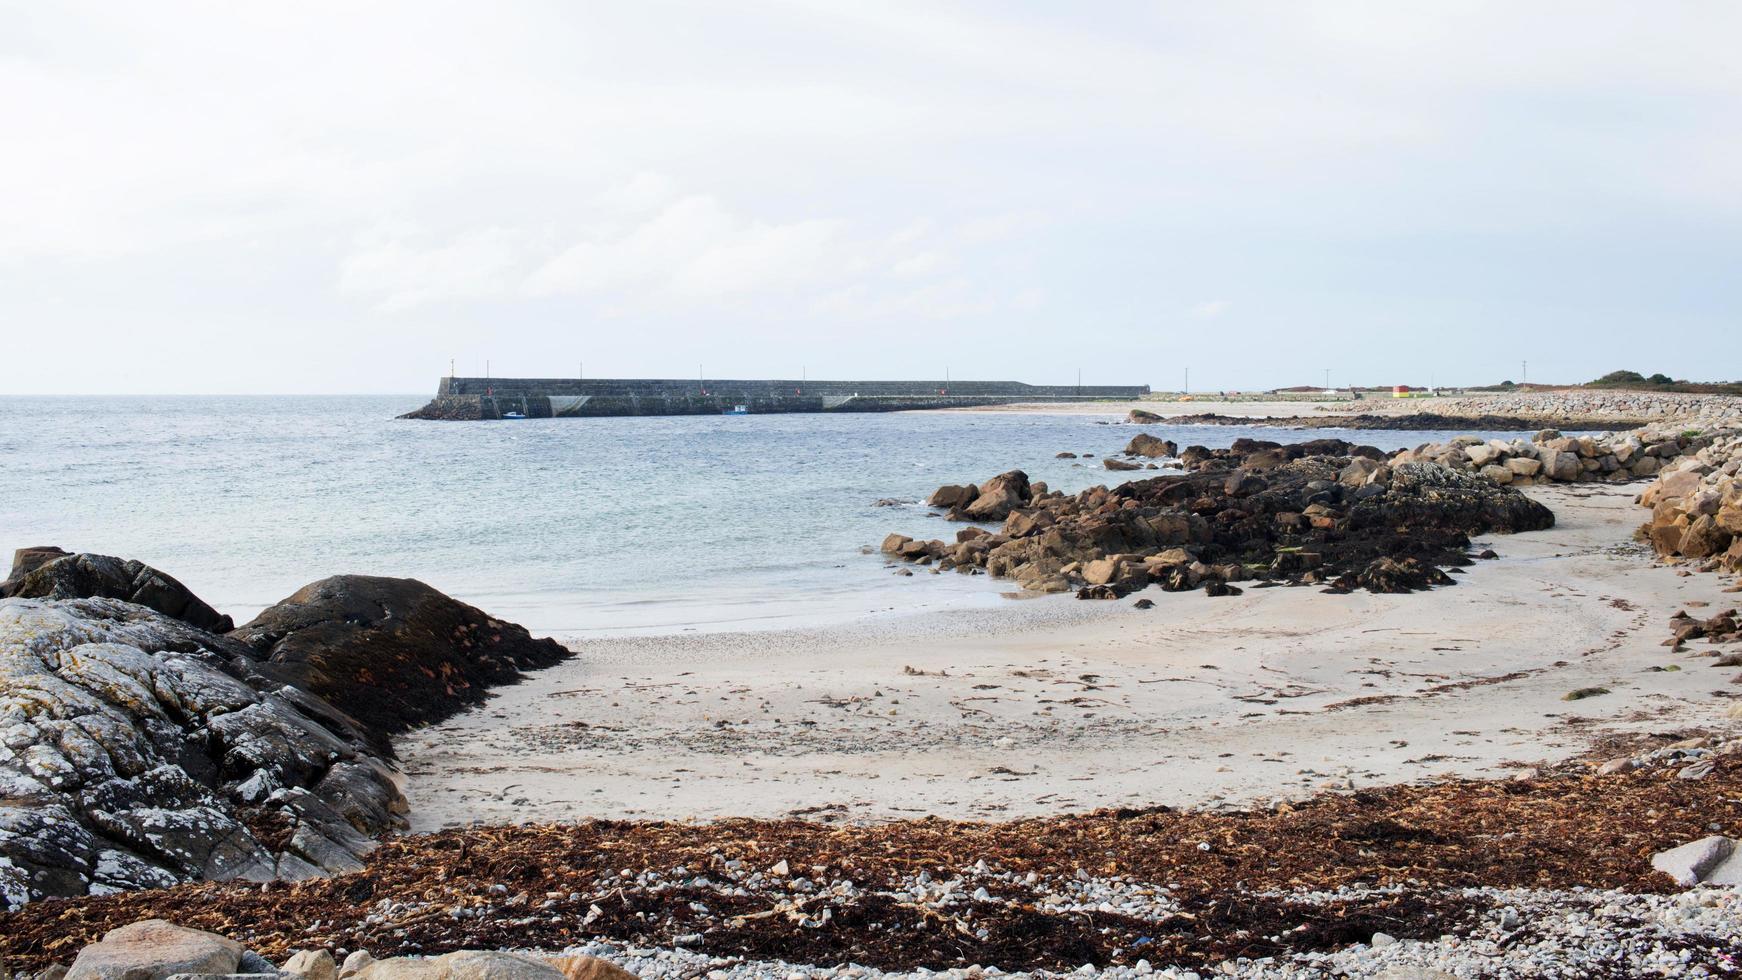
(486, 367)
(1188, 388)
(1327, 379)
(450, 367)
(1523, 372)
(1079, 382)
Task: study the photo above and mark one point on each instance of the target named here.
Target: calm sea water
(565, 525)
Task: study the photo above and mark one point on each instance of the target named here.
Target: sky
(347, 197)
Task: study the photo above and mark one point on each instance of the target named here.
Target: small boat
(513, 415)
(737, 410)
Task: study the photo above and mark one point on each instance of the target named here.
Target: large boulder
(137, 751)
(49, 573)
(392, 652)
(153, 949)
(1001, 495)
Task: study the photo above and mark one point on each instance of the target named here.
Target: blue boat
(513, 415)
(737, 410)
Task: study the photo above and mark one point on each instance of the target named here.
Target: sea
(568, 526)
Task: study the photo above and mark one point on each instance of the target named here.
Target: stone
(468, 964)
(1703, 538)
(312, 964)
(1119, 464)
(1561, 466)
(1001, 495)
(40, 574)
(1141, 417)
(1710, 860)
(1152, 447)
(893, 544)
(393, 653)
(1524, 466)
(178, 730)
(580, 967)
(153, 949)
(951, 496)
(1499, 474)
(357, 961)
(1101, 571)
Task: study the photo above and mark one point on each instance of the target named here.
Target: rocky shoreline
(1329, 512)
(1320, 513)
(138, 749)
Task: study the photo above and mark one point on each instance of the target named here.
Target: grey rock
(153, 949)
(137, 751)
(49, 573)
(312, 964)
(1711, 860)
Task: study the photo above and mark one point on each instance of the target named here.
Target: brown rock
(1001, 495)
(590, 968)
(1147, 445)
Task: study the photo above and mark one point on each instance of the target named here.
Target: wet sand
(1055, 705)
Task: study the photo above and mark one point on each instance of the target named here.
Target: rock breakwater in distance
(138, 749)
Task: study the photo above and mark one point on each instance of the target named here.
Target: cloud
(403, 271)
(1209, 309)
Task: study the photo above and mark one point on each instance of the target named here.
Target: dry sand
(1055, 704)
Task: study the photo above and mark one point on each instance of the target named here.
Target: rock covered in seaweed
(1319, 512)
(391, 652)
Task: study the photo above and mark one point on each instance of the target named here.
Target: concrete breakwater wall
(472, 399)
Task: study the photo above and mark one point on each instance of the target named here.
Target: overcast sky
(315, 197)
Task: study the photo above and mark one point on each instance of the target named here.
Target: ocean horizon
(568, 526)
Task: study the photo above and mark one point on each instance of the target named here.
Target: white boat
(513, 415)
(737, 410)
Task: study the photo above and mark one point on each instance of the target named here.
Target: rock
(1101, 571)
(589, 968)
(1064, 456)
(1711, 860)
(1143, 604)
(1118, 464)
(893, 544)
(1243, 484)
(1561, 466)
(950, 496)
(153, 950)
(1499, 474)
(392, 652)
(354, 963)
(253, 963)
(464, 965)
(1703, 538)
(1147, 445)
(1414, 973)
(312, 964)
(160, 753)
(1141, 417)
(49, 573)
(1001, 495)
(1524, 466)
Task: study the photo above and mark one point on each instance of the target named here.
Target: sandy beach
(1058, 705)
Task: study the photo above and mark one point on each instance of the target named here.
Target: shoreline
(1197, 702)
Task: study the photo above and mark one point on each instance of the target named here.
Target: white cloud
(1209, 309)
(400, 272)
